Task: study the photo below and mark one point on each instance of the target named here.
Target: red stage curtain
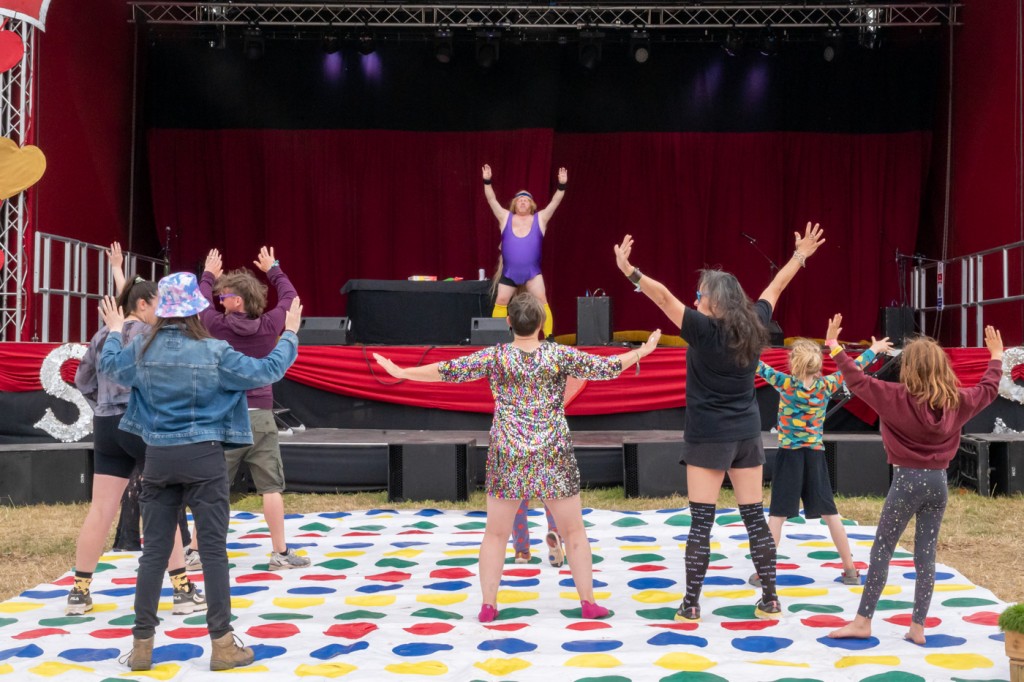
(405, 203)
(351, 371)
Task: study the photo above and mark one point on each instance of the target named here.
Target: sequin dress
(531, 450)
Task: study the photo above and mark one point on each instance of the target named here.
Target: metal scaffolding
(522, 16)
(16, 100)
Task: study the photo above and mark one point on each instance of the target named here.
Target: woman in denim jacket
(187, 402)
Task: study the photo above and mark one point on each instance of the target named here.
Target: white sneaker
(192, 560)
(282, 561)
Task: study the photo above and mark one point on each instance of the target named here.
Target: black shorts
(115, 452)
(508, 282)
(743, 454)
(801, 474)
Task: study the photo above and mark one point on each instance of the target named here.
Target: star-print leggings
(920, 492)
(521, 531)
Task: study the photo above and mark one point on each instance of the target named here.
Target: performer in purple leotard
(522, 232)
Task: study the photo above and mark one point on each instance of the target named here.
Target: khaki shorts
(263, 456)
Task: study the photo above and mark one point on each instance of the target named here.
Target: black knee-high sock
(762, 547)
(698, 550)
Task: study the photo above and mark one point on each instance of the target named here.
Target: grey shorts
(743, 454)
(263, 456)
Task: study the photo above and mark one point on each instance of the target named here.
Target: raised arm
(268, 263)
(545, 214)
(499, 211)
(805, 248)
(653, 289)
(116, 259)
(629, 358)
(426, 373)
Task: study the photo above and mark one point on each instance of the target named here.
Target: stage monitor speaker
(431, 471)
(897, 324)
(775, 335)
(593, 320)
(489, 331)
(1007, 461)
(653, 469)
(51, 474)
(325, 331)
(970, 466)
(857, 464)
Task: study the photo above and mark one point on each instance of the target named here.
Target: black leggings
(920, 492)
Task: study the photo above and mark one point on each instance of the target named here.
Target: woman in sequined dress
(531, 450)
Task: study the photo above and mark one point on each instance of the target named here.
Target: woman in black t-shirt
(725, 332)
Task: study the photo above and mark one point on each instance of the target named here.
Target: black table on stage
(402, 312)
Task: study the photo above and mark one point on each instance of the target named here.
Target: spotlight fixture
(365, 43)
(590, 49)
(487, 44)
(252, 42)
(443, 46)
(733, 43)
(833, 40)
(219, 38)
(869, 38)
(331, 43)
(640, 46)
(768, 41)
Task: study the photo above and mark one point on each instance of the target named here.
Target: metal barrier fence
(985, 278)
(70, 277)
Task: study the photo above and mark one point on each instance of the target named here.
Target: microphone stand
(771, 264)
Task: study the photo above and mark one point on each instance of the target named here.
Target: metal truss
(16, 100)
(869, 15)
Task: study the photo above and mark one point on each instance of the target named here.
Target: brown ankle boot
(227, 653)
(141, 655)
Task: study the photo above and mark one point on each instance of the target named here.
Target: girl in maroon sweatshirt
(921, 417)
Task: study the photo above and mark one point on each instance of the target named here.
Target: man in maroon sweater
(251, 331)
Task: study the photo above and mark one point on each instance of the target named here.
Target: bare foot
(916, 634)
(860, 628)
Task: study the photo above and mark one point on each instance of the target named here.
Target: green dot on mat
(797, 679)
(901, 555)
(846, 522)
(201, 619)
(534, 559)
(642, 558)
(285, 616)
(359, 615)
(65, 620)
(893, 605)
(664, 613)
(7, 621)
(815, 608)
(439, 614)
(967, 601)
(796, 519)
(512, 613)
(823, 555)
(679, 520)
(578, 613)
(315, 527)
(337, 564)
(471, 525)
(629, 522)
(395, 562)
(737, 612)
(596, 559)
(372, 528)
(124, 620)
(726, 519)
(587, 524)
(458, 561)
(104, 567)
(716, 557)
(961, 679)
(422, 525)
(532, 524)
(605, 678)
(894, 676)
(687, 676)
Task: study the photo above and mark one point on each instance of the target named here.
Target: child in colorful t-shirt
(800, 470)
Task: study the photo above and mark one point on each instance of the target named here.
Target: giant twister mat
(393, 595)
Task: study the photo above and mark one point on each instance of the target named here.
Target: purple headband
(524, 194)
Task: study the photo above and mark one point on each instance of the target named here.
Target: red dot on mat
(451, 573)
(742, 625)
(390, 577)
(588, 625)
(273, 630)
(824, 621)
(648, 568)
(983, 618)
(429, 628)
(41, 632)
(111, 633)
(350, 630)
(257, 577)
(187, 633)
(507, 627)
(904, 619)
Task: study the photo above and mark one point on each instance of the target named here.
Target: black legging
(914, 491)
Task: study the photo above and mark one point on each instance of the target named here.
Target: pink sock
(487, 613)
(593, 611)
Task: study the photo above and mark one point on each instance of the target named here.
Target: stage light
(590, 49)
(331, 43)
(869, 38)
(833, 43)
(218, 39)
(768, 41)
(252, 42)
(640, 46)
(733, 43)
(487, 52)
(443, 46)
(365, 43)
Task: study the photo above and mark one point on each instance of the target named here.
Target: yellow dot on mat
(500, 667)
(298, 602)
(371, 600)
(324, 670)
(593, 661)
(802, 592)
(441, 599)
(954, 587)
(54, 668)
(731, 594)
(850, 661)
(516, 596)
(162, 671)
(422, 668)
(788, 664)
(959, 661)
(241, 602)
(693, 663)
(888, 589)
(657, 597)
(405, 553)
(18, 606)
(472, 551)
(347, 553)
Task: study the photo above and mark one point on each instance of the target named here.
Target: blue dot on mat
(374, 512)
(312, 590)
(374, 589)
(477, 514)
(681, 538)
(265, 651)
(723, 580)
(859, 536)
(675, 638)
(912, 575)
(464, 543)
(334, 515)
(85, 655)
(45, 594)
(293, 516)
(429, 512)
(176, 652)
(239, 590)
(1001, 637)
(243, 515)
(331, 650)
(849, 644)
(354, 545)
(725, 510)
(637, 538)
(670, 511)
(421, 648)
(761, 645)
(942, 641)
(651, 583)
(118, 591)
(590, 645)
(411, 543)
(506, 646)
(787, 580)
(242, 545)
(526, 582)
(568, 582)
(300, 545)
(740, 537)
(533, 512)
(449, 586)
(27, 651)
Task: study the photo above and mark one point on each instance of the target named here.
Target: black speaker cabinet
(1007, 462)
(970, 467)
(593, 320)
(47, 473)
(325, 331)
(898, 323)
(857, 464)
(775, 335)
(489, 331)
(999, 463)
(431, 471)
(653, 469)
